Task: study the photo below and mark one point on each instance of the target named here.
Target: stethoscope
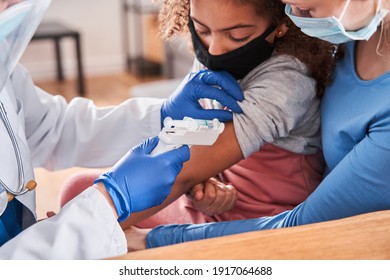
(6, 193)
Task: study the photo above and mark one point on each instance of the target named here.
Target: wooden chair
(56, 31)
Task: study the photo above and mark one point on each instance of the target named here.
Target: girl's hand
(213, 197)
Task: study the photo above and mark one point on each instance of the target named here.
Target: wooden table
(361, 237)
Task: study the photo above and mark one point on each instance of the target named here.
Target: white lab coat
(59, 135)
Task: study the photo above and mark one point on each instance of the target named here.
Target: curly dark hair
(320, 57)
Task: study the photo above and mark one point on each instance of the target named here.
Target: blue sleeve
(360, 183)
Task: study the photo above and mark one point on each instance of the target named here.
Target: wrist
(102, 189)
(120, 202)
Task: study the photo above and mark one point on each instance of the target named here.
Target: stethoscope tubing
(20, 190)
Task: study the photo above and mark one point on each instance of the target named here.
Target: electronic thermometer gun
(188, 131)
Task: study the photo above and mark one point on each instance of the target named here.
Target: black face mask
(238, 62)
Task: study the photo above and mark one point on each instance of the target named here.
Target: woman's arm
(358, 184)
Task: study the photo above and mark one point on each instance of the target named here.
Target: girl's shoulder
(283, 61)
(278, 65)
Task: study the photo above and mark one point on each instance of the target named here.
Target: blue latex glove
(140, 181)
(219, 86)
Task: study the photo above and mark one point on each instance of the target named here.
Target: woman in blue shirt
(355, 124)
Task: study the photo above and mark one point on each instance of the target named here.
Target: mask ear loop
(379, 6)
(383, 47)
(344, 10)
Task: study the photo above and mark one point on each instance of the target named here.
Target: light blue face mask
(331, 29)
(12, 17)
(17, 25)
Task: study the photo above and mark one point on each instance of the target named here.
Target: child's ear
(281, 30)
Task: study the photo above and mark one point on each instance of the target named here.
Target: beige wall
(99, 21)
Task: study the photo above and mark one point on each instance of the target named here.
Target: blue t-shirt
(356, 142)
(11, 221)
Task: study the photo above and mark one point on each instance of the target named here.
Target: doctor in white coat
(41, 130)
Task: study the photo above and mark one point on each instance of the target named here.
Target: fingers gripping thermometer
(188, 131)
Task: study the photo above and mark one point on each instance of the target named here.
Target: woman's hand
(136, 238)
(213, 197)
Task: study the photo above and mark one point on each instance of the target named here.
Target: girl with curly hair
(272, 152)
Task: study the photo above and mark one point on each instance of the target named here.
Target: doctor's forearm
(205, 162)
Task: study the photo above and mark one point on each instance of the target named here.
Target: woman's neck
(369, 64)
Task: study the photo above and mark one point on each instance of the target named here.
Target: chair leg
(60, 73)
(79, 66)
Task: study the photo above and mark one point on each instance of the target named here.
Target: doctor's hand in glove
(219, 86)
(130, 182)
(213, 197)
